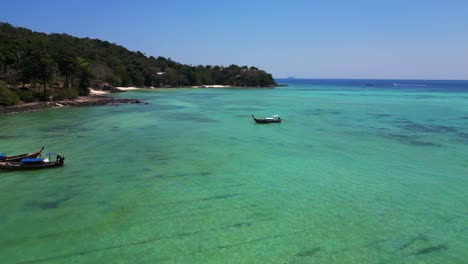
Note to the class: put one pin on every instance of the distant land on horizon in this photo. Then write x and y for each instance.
(416, 85)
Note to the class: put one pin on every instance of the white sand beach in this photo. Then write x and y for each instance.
(97, 92)
(215, 86)
(127, 88)
(211, 86)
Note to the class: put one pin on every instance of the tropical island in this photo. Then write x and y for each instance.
(39, 67)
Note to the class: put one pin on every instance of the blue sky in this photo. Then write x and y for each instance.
(409, 39)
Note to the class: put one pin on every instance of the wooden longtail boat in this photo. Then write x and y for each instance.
(33, 163)
(274, 119)
(18, 158)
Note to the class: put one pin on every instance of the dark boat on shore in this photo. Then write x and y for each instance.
(274, 119)
(33, 163)
(18, 158)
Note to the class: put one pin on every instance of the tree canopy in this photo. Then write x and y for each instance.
(75, 63)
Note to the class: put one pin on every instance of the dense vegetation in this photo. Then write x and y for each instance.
(38, 65)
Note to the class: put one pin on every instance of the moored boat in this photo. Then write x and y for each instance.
(273, 119)
(18, 158)
(33, 163)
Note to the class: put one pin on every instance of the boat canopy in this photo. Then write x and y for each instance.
(2, 156)
(32, 160)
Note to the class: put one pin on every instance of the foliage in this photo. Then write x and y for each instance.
(7, 96)
(26, 95)
(39, 66)
(75, 63)
(68, 66)
(62, 94)
(83, 76)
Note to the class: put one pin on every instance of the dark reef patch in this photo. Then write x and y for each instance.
(309, 252)
(412, 127)
(430, 128)
(411, 140)
(401, 120)
(219, 197)
(241, 224)
(431, 249)
(424, 143)
(379, 115)
(234, 185)
(4, 137)
(420, 237)
(378, 128)
(415, 127)
(462, 137)
(111, 247)
(49, 204)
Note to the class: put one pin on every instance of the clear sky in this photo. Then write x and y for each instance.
(407, 39)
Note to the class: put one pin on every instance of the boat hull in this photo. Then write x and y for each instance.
(265, 120)
(21, 166)
(261, 121)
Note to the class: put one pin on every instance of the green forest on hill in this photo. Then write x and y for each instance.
(43, 66)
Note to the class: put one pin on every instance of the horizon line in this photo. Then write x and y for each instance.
(382, 79)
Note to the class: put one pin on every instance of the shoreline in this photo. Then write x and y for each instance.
(211, 86)
(81, 101)
(101, 98)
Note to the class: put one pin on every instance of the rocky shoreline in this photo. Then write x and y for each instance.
(91, 100)
(96, 98)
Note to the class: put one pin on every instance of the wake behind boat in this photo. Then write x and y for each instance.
(266, 120)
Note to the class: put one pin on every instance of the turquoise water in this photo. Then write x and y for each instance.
(352, 175)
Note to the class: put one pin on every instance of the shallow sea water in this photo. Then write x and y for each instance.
(352, 175)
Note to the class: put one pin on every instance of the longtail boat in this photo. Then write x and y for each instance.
(33, 163)
(274, 119)
(18, 158)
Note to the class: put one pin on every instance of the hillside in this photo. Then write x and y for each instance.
(51, 61)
